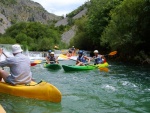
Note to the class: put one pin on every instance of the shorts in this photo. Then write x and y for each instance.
(8, 80)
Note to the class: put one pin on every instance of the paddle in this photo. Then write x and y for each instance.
(111, 53)
(4, 55)
(105, 68)
(32, 64)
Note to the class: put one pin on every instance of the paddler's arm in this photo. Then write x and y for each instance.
(6, 62)
(2, 63)
(1, 51)
(77, 61)
(87, 58)
(47, 60)
(56, 60)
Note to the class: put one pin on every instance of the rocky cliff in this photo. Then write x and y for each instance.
(4, 23)
(12, 11)
(68, 35)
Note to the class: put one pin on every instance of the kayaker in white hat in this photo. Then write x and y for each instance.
(98, 59)
(51, 59)
(19, 65)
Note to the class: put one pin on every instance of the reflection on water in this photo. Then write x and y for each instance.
(15, 104)
(124, 89)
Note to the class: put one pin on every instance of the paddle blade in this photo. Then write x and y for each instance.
(105, 69)
(33, 64)
(113, 53)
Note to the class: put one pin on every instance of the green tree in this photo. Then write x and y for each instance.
(31, 33)
(128, 28)
(99, 18)
(45, 44)
(7, 40)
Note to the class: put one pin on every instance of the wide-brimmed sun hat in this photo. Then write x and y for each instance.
(16, 48)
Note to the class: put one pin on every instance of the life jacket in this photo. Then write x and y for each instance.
(51, 59)
(72, 48)
(98, 59)
(81, 59)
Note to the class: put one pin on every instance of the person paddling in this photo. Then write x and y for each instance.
(48, 55)
(51, 59)
(98, 59)
(20, 72)
(71, 51)
(82, 59)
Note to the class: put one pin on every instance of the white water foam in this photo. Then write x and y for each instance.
(127, 83)
(108, 87)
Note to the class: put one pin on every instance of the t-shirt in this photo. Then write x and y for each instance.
(20, 72)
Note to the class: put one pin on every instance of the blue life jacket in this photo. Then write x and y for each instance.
(98, 59)
(81, 59)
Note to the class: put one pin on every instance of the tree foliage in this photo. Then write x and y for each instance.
(35, 35)
(121, 25)
(128, 28)
(97, 19)
(7, 40)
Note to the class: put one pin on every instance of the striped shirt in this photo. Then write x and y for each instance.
(20, 72)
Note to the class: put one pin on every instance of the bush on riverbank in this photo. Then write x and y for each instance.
(37, 36)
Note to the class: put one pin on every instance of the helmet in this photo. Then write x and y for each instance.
(72, 46)
(52, 53)
(80, 52)
(96, 51)
(49, 51)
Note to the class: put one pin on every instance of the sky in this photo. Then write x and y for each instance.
(60, 7)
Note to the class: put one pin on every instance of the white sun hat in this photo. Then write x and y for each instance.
(96, 51)
(16, 48)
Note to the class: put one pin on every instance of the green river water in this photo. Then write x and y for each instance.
(124, 89)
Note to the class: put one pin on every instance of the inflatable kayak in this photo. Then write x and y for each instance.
(42, 91)
(52, 66)
(81, 68)
(2, 109)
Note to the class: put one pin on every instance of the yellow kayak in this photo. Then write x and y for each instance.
(41, 91)
(63, 57)
(37, 61)
(2, 109)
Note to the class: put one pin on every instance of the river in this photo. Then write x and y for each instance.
(124, 89)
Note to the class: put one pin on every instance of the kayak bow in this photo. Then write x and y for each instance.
(42, 91)
(2, 109)
(52, 66)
